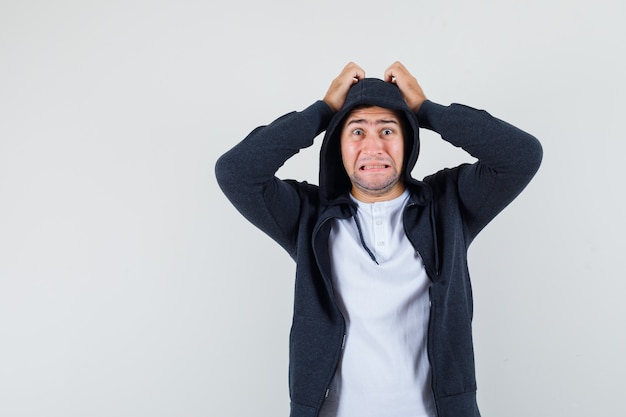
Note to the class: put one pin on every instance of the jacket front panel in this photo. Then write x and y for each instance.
(318, 326)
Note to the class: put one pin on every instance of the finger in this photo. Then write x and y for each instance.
(393, 72)
(390, 75)
(355, 71)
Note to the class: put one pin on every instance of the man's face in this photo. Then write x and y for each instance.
(372, 151)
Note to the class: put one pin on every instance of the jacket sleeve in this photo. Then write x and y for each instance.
(507, 159)
(246, 173)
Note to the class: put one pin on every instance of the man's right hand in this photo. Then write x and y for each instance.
(338, 90)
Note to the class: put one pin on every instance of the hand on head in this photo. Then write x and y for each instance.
(338, 90)
(407, 83)
(396, 73)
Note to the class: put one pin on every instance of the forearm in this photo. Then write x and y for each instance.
(255, 160)
(496, 144)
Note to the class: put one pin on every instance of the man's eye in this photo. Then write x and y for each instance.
(357, 132)
(387, 131)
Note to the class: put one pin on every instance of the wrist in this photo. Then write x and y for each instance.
(331, 105)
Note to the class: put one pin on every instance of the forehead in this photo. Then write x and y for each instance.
(372, 114)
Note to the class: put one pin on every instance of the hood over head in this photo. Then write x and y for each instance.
(333, 179)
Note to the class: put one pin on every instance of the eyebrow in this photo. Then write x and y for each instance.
(379, 121)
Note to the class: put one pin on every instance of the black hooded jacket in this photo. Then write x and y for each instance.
(444, 214)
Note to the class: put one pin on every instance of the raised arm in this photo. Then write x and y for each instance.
(246, 173)
(507, 157)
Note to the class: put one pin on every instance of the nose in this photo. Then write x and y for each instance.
(372, 145)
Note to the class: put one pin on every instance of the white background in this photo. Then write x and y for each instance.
(130, 287)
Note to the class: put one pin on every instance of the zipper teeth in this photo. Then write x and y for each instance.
(429, 352)
(338, 353)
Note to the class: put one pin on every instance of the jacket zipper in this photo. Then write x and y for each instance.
(429, 353)
(330, 288)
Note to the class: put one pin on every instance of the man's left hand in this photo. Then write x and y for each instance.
(408, 85)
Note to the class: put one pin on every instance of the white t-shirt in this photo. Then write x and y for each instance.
(384, 370)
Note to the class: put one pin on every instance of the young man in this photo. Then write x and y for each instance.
(383, 302)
